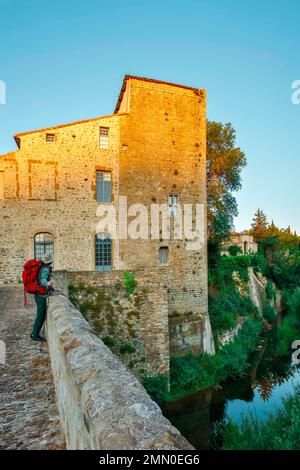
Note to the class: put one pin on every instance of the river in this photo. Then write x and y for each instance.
(267, 381)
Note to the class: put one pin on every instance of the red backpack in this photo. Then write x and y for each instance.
(30, 278)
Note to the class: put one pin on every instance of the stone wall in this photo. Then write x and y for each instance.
(102, 405)
(145, 321)
(257, 291)
(229, 335)
(165, 137)
(157, 148)
(50, 187)
(135, 326)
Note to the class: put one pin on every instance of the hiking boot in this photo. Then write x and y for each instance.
(37, 338)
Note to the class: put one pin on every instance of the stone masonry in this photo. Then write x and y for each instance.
(138, 321)
(156, 149)
(29, 417)
(102, 405)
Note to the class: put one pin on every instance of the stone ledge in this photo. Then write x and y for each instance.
(102, 405)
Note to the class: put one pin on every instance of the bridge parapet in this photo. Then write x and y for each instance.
(102, 405)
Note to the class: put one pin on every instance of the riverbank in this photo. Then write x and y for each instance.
(191, 373)
(279, 431)
(200, 416)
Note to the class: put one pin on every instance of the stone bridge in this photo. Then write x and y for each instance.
(29, 416)
(101, 404)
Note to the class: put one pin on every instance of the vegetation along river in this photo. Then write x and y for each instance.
(259, 392)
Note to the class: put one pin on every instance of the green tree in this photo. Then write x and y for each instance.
(225, 162)
(260, 225)
(234, 250)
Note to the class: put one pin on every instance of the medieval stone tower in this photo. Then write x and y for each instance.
(151, 150)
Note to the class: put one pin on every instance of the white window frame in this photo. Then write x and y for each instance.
(104, 137)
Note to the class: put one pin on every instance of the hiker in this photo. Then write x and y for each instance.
(44, 280)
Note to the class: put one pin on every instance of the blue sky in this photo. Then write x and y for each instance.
(65, 60)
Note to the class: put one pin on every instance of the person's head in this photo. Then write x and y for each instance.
(47, 260)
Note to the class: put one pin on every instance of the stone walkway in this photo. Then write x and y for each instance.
(28, 414)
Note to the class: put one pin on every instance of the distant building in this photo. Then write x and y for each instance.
(243, 240)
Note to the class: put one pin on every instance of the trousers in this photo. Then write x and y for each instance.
(41, 311)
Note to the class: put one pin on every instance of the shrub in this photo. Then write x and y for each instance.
(270, 291)
(280, 431)
(89, 290)
(289, 330)
(226, 306)
(224, 321)
(129, 283)
(233, 357)
(157, 387)
(259, 263)
(127, 348)
(286, 334)
(232, 361)
(230, 264)
(294, 303)
(243, 261)
(72, 295)
(108, 341)
(192, 372)
(86, 306)
(269, 313)
(234, 250)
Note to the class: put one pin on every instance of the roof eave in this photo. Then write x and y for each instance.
(18, 141)
(74, 123)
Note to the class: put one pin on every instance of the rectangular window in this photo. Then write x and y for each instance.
(173, 202)
(103, 142)
(163, 255)
(103, 180)
(103, 252)
(43, 245)
(50, 137)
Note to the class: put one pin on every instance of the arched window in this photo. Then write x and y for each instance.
(103, 252)
(163, 255)
(245, 247)
(43, 245)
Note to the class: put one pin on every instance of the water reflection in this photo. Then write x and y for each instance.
(258, 393)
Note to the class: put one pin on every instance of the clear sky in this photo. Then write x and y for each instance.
(65, 60)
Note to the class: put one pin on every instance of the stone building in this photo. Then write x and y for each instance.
(152, 149)
(244, 241)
